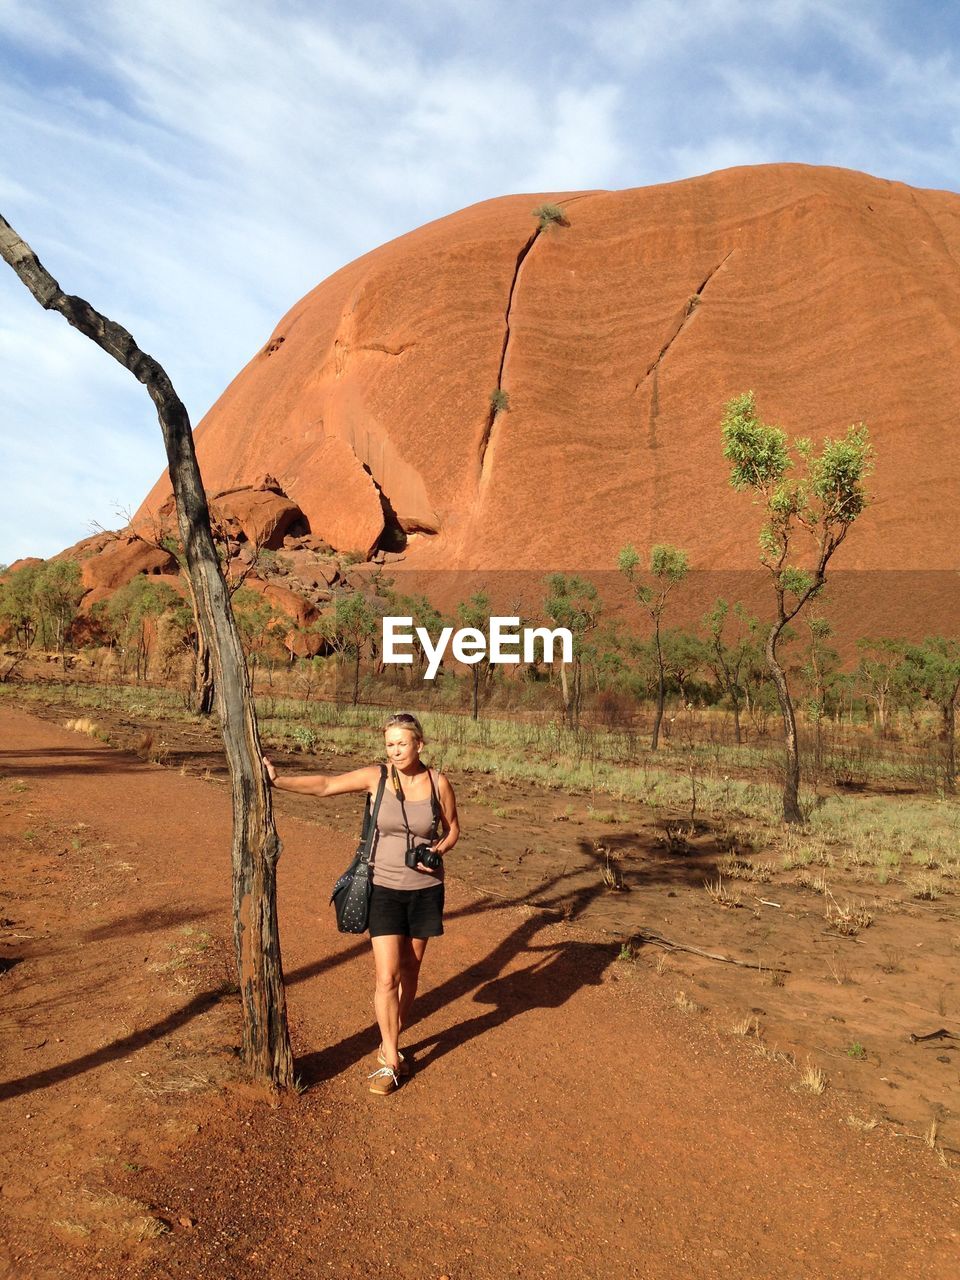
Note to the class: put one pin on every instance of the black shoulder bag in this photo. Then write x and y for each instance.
(351, 893)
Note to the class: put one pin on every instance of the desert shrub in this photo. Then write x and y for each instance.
(549, 215)
(499, 401)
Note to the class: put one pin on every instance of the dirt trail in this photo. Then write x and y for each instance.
(563, 1119)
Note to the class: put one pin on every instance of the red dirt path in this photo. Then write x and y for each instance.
(563, 1117)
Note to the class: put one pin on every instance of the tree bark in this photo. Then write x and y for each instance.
(791, 776)
(949, 710)
(256, 847)
(202, 702)
(661, 690)
(737, 731)
(565, 695)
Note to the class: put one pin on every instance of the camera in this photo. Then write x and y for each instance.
(426, 856)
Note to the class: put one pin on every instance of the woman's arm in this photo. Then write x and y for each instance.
(451, 823)
(318, 784)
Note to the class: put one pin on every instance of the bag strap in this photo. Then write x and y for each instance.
(370, 814)
(434, 803)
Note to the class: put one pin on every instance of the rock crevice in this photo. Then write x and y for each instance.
(494, 408)
(680, 323)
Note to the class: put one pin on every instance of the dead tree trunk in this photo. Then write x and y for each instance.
(266, 1043)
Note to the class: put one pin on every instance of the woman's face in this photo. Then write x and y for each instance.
(403, 747)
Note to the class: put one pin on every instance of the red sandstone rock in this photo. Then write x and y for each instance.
(263, 516)
(121, 559)
(833, 295)
(302, 644)
(25, 563)
(286, 603)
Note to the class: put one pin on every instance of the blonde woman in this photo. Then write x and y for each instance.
(418, 812)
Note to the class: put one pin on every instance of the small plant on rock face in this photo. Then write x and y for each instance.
(550, 215)
(499, 401)
(857, 1050)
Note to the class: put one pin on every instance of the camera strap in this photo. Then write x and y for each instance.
(434, 803)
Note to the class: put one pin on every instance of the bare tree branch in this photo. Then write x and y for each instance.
(256, 847)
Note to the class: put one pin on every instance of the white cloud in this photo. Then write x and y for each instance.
(193, 170)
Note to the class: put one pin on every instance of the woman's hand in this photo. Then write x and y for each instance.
(430, 871)
(271, 771)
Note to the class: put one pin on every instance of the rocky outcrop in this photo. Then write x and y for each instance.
(617, 339)
(262, 517)
(286, 604)
(120, 560)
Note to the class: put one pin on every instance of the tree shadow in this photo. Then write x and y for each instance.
(200, 1003)
(50, 762)
(554, 975)
(671, 867)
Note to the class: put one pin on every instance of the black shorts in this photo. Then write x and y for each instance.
(407, 913)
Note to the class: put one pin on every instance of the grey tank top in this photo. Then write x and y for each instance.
(390, 845)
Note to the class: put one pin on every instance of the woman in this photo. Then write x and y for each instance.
(406, 906)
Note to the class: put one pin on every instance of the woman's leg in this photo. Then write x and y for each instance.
(387, 952)
(411, 958)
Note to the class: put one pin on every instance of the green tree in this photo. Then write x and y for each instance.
(878, 671)
(423, 614)
(475, 613)
(932, 671)
(684, 656)
(668, 568)
(18, 609)
(820, 505)
(350, 629)
(732, 649)
(253, 614)
(820, 670)
(574, 603)
(57, 592)
(131, 616)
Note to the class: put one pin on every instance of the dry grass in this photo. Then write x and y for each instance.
(848, 919)
(748, 1025)
(771, 1054)
(927, 887)
(157, 1086)
(150, 747)
(83, 724)
(72, 1228)
(812, 1078)
(864, 1126)
(735, 867)
(718, 894)
(683, 1002)
(771, 977)
(839, 971)
(817, 883)
(610, 873)
(105, 1211)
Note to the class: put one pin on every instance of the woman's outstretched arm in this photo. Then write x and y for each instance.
(319, 784)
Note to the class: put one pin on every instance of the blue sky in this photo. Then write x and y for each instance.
(192, 169)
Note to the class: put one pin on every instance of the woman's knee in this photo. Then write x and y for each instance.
(388, 980)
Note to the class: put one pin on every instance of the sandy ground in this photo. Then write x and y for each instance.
(564, 1116)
